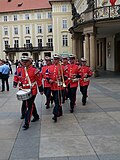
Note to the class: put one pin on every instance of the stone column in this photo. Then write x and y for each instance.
(87, 49)
(74, 44)
(80, 48)
(92, 51)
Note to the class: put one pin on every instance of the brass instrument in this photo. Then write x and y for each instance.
(62, 81)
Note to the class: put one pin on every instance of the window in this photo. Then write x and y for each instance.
(15, 17)
(49, 28)
(64, 8)
(39, 29)
(27, 43)
(27, 30)
(38, 15)
(6, 31)
(5, 18)
(39, 42)
(6, 43)
(64, 23)
(15, 30)
(49, 15)
(65, 40)
(27, 16)
(16, 43)
(50, 42)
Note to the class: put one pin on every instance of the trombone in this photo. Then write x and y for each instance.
(62, 76)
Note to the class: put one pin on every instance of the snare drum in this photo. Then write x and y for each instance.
(24, 94)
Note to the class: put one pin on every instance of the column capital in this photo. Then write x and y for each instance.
(92, 34)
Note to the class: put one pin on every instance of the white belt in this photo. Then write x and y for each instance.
(24, 85)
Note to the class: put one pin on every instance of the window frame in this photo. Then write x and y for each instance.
(64, 24)
(64, 40)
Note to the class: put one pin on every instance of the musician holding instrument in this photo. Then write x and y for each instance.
(30, 78)
(17, 77)
(65, 63)
(73, 77)
(47, 85)
(56, 73)
(84, 81)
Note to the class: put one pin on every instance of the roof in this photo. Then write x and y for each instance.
(21, 5)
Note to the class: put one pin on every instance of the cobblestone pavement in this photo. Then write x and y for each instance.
(92, 132)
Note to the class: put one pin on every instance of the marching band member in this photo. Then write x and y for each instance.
(73, 75)
(84, 81)
(47, 85)
(17, 77)
(29, 74)
(55, 79)
(65, 90)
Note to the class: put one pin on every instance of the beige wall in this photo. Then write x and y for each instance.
(58, 31)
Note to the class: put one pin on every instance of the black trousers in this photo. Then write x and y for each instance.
(72, 96)
(31, 110)
(83, 90)
(5, 80)
(57, 110)
(24, 108)
(47, 92)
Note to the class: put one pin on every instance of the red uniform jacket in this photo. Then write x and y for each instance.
(73, 70)
(85, 74)
(34, 75)
(66, 74)
(45, 76)
(55, 73)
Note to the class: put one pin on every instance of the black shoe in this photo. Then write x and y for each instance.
(35, 119)
(22, 117)
(47, 107)
(63, 101)
(54, 118)
(71, 110)
(2, 90)
(25, 126)
(84, 104)
(60, 113)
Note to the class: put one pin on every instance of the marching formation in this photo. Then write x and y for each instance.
(58, 80)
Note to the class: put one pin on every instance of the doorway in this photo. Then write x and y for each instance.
(117, 52)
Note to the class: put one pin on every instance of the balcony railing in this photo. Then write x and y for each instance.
(100, 13)
(107, 12)
(28, 48)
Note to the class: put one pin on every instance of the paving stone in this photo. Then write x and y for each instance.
(59, 158)
(25, 149)
(66, 125)
(64, 146)
(109, 157)
(5, 148)
(105, 144)
(98, 124)
(86, 157)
